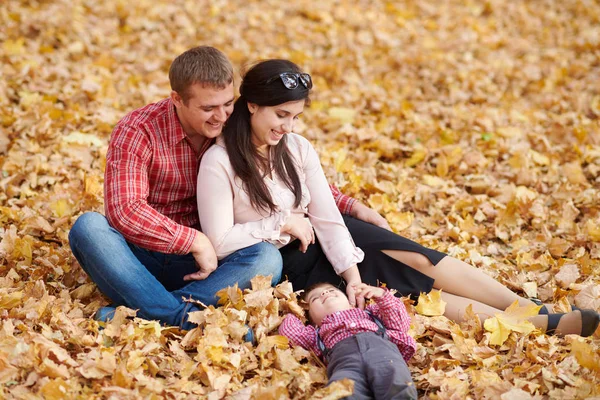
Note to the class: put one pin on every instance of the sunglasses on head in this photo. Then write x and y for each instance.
(290, 79)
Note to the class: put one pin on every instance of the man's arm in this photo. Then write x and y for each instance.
(358, 210)
(126, 189)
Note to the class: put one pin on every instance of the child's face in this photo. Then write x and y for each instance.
(325, 300)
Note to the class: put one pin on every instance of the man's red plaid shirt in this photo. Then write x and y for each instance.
(150, 180)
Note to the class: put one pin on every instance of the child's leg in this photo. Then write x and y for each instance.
(387, 372)
(345, 361)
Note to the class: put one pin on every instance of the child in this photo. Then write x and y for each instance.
(367, 346)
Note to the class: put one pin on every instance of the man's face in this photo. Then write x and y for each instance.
(206, 110)
(325, 300)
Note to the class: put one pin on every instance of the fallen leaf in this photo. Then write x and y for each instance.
(431, 303)
(514, 319)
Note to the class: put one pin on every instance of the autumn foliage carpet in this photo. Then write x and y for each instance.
(473, 126)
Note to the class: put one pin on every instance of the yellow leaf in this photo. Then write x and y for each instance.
(86, 139)
(10, 300)
(400, 220)
(592, 229)
(270, 342)
(381, 202)
(215, 353)
(14, 47)
(61, 207)
(55, 390)
(431, 304)
(93, 185)
(433, 181)
(499, 332)
(344, 115)
(539, 158)
(514, 319)
(28, 99)
(585, 355)
(416, 157)
(442, 166)
(342, 163)
(574, 173)
(261, 282)
(231, 294)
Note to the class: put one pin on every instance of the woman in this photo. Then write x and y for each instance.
(268, 185)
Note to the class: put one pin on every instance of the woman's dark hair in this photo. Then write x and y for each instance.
(261, 85)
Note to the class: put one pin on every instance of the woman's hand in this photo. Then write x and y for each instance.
(352, 278)
(368, 292)
(301, 229)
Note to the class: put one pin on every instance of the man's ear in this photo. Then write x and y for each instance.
(252, 107)
(176, 99)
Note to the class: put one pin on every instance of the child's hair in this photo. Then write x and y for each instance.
(309, 289)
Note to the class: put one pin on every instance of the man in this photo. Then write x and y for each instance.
(149, 253)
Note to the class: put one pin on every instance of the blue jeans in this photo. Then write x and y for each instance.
(152, 282)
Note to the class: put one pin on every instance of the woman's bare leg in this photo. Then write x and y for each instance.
(457, 277)
(456, 307)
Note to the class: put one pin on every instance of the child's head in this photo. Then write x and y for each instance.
(324, 299)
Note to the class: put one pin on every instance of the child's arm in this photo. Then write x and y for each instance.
(392, 313)
(299, 334)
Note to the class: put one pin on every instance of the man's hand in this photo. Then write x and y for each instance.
(366, 214)
(205, 256)
(301, 229)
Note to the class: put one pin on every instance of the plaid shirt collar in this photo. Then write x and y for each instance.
(177, 134)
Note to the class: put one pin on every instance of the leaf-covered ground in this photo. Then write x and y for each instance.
(473, 126)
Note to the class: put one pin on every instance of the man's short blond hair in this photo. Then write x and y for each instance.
(203, 64)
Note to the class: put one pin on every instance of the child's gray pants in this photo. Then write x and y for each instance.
(374, 364)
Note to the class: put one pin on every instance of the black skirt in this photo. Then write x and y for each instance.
(305, 269)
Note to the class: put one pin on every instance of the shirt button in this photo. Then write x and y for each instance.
(352, 325)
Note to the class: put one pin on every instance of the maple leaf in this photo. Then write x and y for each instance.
(585, 355)
(514, 319)
(431, 303)
(589, 297)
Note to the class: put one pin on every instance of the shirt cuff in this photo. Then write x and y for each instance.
(275, 235)
(354, 257)
(184, 237)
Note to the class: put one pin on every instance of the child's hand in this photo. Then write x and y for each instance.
(368, 292)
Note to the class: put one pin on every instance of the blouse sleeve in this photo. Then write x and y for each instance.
(215, 196)
(324, 215)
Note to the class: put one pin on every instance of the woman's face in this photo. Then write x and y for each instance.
(270, 123)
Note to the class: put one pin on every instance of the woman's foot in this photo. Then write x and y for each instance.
(580, 322)
(549, 308)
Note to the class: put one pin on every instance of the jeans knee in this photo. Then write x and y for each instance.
(87, 228)
(269, 261)
(86, 223)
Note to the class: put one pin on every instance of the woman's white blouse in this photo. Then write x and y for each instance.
(231, 223)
